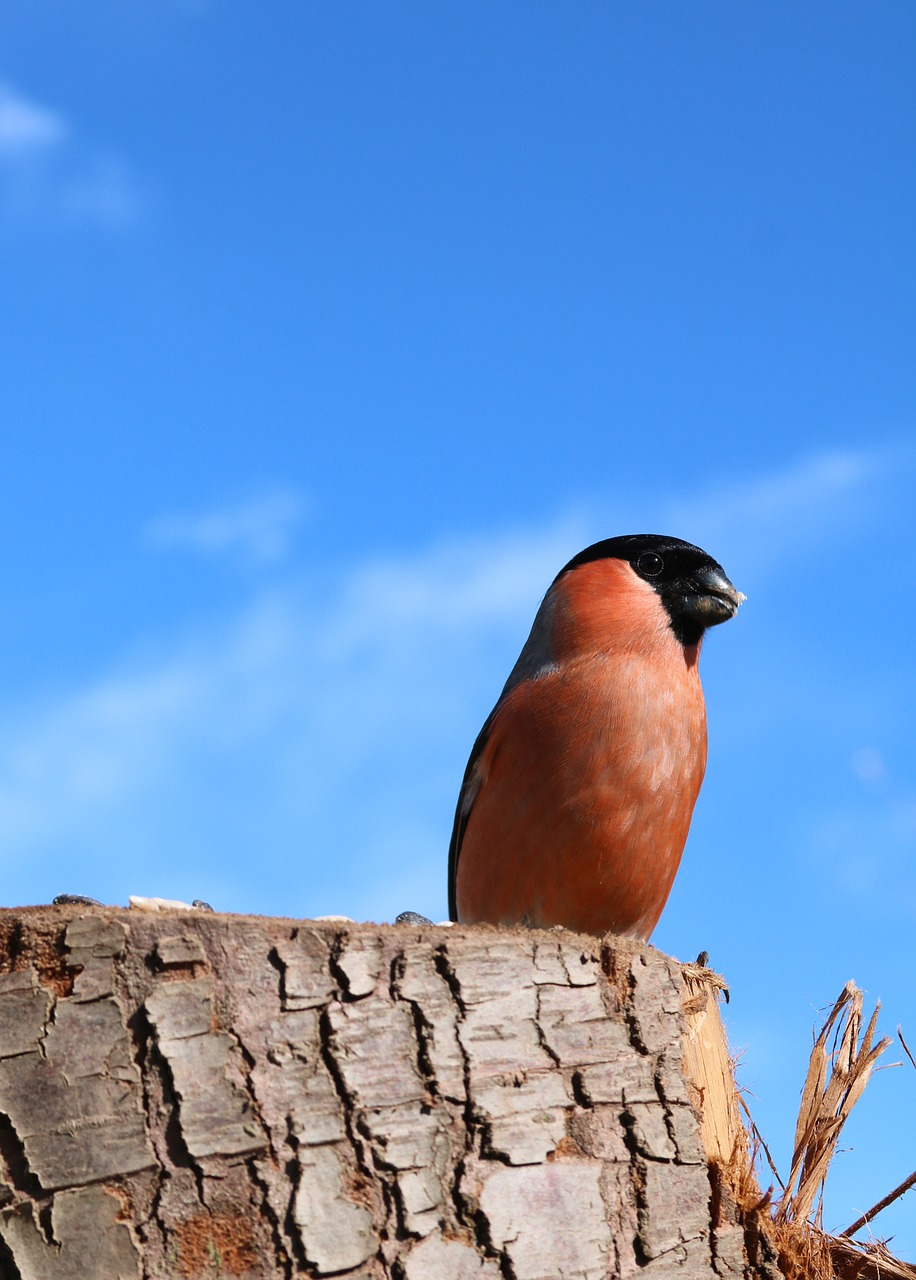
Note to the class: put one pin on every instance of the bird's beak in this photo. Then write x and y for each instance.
(713, 599)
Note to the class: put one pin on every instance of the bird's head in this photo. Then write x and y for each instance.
(692, 588)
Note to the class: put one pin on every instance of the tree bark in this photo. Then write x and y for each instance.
(197, 1095)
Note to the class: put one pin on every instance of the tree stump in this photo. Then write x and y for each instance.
(196, 1095)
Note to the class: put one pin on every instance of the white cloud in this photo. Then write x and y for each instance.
(260, 529)
(118, 738)
(49, 172)
(802, 504)
(461, 583)
(27, 127)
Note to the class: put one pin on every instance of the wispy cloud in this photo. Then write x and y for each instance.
(805, 502)
(811, 481)
(459, 584)
(259, 530)
(26, 127)
(49, 172)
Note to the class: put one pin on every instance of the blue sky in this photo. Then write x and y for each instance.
(330, 331)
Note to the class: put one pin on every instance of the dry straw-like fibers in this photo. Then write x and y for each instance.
(841, 1063)
(842, 1060)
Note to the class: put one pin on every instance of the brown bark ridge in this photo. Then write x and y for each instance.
(198, 1095)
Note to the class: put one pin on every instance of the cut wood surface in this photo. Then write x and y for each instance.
(197, 1095)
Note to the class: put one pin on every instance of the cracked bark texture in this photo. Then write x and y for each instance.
(196, 1095)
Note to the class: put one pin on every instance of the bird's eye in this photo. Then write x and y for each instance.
(650, 564)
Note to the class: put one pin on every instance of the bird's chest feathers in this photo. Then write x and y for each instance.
(629, 717)
(606, 734)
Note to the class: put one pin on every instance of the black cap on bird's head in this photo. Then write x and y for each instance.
(692, 586)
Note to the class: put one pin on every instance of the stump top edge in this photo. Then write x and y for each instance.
(46, 915)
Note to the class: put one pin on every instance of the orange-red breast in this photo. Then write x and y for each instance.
(578, 795)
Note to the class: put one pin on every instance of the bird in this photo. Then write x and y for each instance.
(580, 788)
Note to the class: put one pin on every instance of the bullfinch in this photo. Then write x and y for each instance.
(578, 795)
